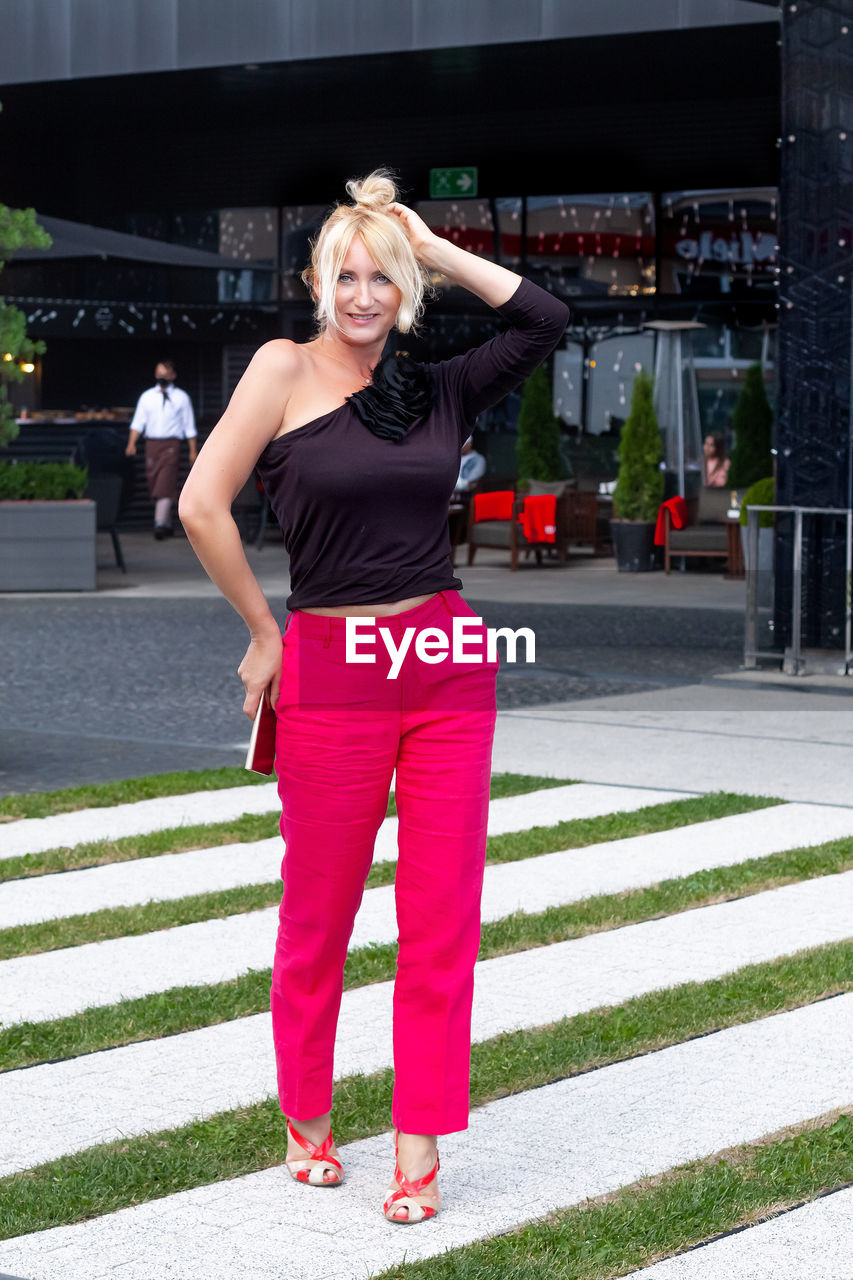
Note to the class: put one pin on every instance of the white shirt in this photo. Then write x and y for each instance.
(472, 467)
(164, 419)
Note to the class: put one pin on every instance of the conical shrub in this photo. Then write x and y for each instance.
(639, 488)
(751, 458)
(537, 448)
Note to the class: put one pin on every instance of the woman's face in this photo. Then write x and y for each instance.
(710, 447)
(366, 302)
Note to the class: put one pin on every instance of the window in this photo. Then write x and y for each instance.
(718, 241)
(593, 244)
(468, 223)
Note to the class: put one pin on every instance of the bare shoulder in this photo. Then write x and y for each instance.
(279, 355)
(270, 375)
(254, 412)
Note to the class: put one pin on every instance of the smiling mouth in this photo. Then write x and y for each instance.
(370, 316)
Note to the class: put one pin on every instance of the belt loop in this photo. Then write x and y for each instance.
(327, 638)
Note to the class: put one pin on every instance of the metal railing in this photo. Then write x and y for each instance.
(793, 659)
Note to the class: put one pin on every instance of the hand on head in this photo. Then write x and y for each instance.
(419, 234)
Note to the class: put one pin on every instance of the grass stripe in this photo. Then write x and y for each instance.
(187, 1008)
(209, 835)
(118, 922)
(104, 1178)
(44, 804)
(655, 1218)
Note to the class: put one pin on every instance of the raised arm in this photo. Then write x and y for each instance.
(482, 377)
(494, 284)
(223, 466)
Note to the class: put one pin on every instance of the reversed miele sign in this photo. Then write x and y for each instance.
(744, 247)
(726, 234)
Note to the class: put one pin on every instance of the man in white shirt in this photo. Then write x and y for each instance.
(471, 468)
(164, 415)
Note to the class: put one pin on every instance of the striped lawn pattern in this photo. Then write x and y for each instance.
(162, 1084)
(58, 983)
(606, 1126)
(176, 875)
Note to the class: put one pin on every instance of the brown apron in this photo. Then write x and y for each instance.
(161, 468)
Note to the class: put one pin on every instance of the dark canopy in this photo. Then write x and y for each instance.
(79, 240)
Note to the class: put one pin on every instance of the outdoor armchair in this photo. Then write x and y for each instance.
(505, 532)
(706, 535)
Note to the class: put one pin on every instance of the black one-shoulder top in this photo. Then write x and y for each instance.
(362, 493)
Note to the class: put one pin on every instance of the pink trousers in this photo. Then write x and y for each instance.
(343, 728)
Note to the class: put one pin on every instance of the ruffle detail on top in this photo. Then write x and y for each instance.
(401, 392)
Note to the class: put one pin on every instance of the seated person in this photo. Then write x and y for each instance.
(716, 462)
(471, 469)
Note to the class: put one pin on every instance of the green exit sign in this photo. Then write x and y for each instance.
(452, 182)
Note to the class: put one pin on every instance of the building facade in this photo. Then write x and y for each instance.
(624, 156)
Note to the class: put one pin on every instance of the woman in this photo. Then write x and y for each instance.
(716, 462)
(359, 457)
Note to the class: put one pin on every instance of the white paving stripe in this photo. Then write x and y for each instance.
(58, 983)
(604, 1129)
(815, 1241)
(34, 835)
(160, 1084)
(179, 875)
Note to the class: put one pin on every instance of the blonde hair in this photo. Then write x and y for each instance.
(385, 240)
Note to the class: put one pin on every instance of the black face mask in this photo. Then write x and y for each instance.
(165, 382)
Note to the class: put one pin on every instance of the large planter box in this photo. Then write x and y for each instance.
(47, 546)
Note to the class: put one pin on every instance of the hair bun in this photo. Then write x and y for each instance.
(373, 192)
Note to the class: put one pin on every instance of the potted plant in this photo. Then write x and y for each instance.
(751, 457)
(47, 530)
(640, 484)
(537, 447)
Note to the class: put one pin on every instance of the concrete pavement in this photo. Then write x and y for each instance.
(637, 679)
(170, 570)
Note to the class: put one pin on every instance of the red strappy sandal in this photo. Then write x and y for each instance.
(313, 1170)
(410, 1194)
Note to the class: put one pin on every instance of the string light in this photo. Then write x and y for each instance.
(107, 315)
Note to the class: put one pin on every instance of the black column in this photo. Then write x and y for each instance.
(813, 434)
